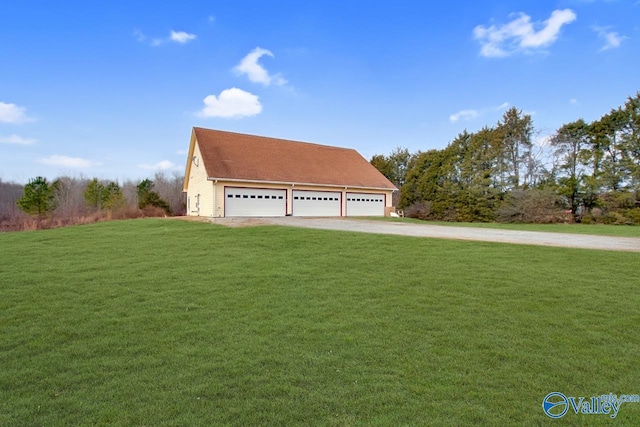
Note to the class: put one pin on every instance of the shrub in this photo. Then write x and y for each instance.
(531, 206)
(420, 210)
(633, 215)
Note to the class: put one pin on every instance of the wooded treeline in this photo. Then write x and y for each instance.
(68, 200)
(584, 172)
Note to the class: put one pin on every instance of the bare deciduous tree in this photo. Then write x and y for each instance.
(170, 189)
(10, 214)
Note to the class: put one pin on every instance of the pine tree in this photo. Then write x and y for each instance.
(38, 197)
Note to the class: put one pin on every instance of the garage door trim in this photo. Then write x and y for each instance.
(276, 208)
(366, 206)
(328, 208)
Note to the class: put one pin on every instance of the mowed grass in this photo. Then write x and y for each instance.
(595, 229)
(164, 322)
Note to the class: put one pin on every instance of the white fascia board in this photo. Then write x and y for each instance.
(293, 184)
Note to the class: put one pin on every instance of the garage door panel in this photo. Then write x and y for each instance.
(316, 203)
(365, 204)
(241, 201)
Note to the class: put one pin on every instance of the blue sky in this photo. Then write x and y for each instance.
(112, 89)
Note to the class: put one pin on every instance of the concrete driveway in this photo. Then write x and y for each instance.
(584, 241)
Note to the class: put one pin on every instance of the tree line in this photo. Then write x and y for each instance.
(584, 172)
(67, 200)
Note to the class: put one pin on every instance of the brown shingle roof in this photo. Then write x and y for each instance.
(228, 155)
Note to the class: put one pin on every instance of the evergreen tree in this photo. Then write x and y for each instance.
(38, 197)
(515, 130)
(631, 143)
(570, 144)
(100, 196)
(148, 197)
(395, 166)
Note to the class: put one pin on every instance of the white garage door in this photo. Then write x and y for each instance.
(363, 204)
(316, 203)
(254, 202)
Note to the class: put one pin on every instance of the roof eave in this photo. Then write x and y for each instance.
(293, 184)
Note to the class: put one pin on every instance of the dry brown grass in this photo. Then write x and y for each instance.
(27, 223)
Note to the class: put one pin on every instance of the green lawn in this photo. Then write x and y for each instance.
(597, 229)
(165, 322)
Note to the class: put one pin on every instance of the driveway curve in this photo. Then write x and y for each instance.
(566, 240)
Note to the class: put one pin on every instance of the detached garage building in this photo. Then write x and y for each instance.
(230, 174)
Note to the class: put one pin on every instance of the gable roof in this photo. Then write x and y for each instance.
(235, 156)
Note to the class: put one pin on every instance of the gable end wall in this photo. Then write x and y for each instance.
(199, 185)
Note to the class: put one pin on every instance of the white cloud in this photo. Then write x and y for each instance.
(471, 113)
(231, 103)
(11, 113)
(67, 162)
(181, 37)
(612, 39)
(256, 72)
(15, 139)
(139, 35)
(573, 101)
(464, 115)
(162, 165)
(520, 34)
(543, 140)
